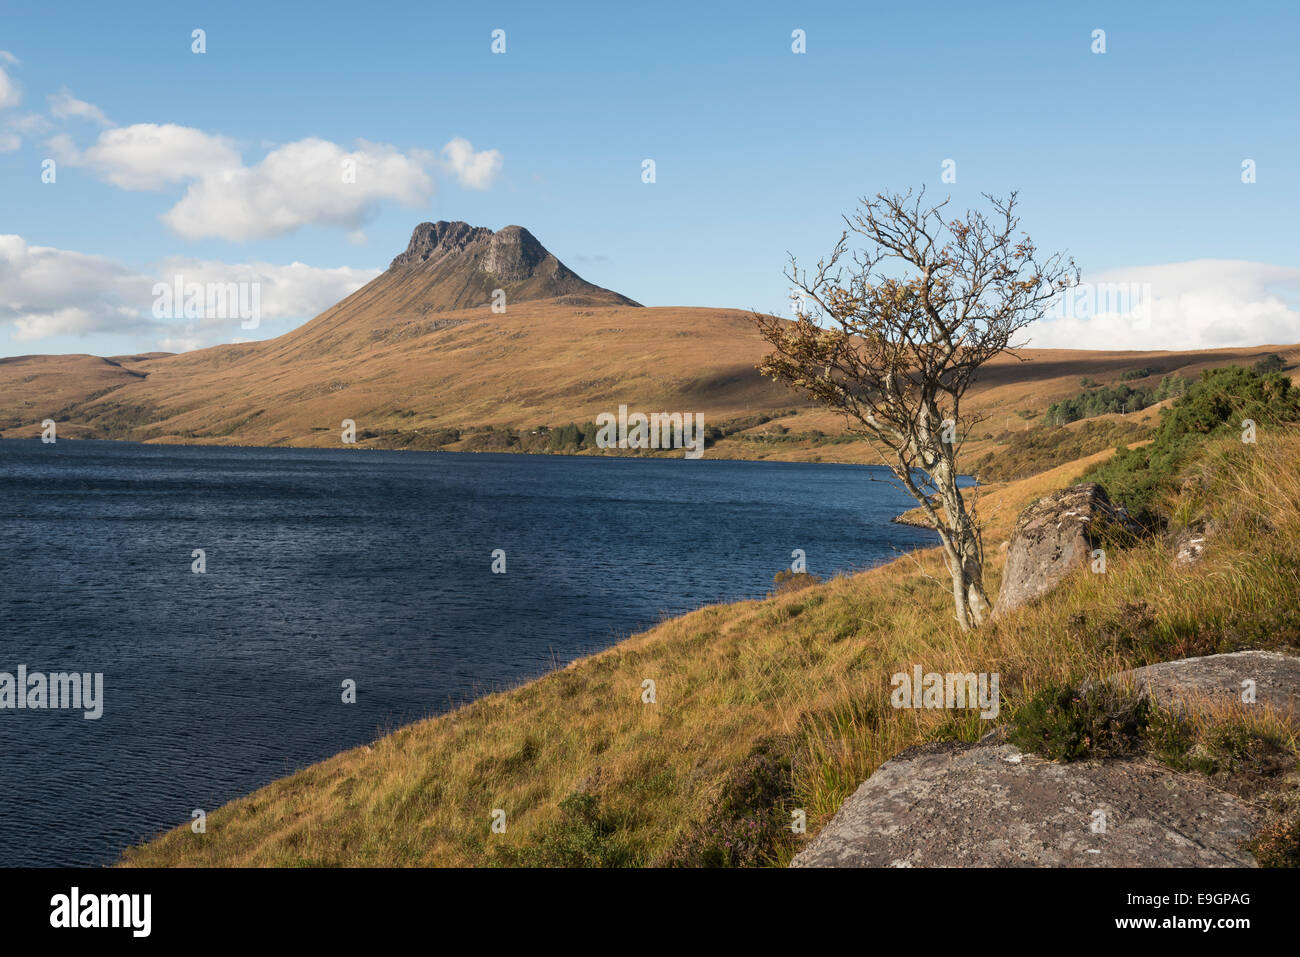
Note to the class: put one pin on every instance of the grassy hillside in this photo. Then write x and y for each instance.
(768, 706)
(412, 378)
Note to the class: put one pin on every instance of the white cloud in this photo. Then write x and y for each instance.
(1204, 303)
(310, 182)
(182, 343)
(9, 58)
(472, 170)
(63, 105)
(10, 95)
(300, 184)
(48, 292)
(149, 155)
(15, 126)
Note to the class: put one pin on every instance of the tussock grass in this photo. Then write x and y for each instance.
(809, 669)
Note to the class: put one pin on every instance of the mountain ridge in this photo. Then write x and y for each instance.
(454, 265)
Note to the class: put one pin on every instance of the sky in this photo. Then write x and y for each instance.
(1167, 165)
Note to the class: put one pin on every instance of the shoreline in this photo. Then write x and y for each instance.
(603, 453)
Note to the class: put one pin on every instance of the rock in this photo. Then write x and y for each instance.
(1188, 544)
(989, 805)
(440, 239)
(458, 266)
(1052, 537)
(1216, 679)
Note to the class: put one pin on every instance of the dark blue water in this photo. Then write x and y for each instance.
(326, 565)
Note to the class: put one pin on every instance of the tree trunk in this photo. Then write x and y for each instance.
(962, 551)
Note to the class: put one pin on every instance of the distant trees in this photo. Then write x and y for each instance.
(1270, 363)
(893, 338)
(1122, 398)
(1171, 386)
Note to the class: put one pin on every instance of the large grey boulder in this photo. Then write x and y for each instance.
(989, 805)
(1218, 679)
(1052, 537)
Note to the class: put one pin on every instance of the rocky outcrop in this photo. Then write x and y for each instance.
(989, 805)
(458, 266)
(436, 241)
(1274, 680)
(1052, 537)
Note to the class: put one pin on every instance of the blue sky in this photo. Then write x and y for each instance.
(1131, 160)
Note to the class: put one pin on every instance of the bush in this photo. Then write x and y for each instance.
(787, 581)
(1028, 453)
(585, 836)
(1065, 723)
(1278, 842)
(567, 438)
(1270, 363)
(492, 440)
(1099, 402)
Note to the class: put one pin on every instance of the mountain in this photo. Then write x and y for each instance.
(417, 350)
(450, 266)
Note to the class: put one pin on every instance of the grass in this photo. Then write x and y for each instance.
(766, 708)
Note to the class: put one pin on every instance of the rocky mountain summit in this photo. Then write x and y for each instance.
(459, 266)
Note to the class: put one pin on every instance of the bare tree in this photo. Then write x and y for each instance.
(895, 344)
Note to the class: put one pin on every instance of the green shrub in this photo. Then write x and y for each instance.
(1065, 723)
(1270, 363)
(567, 438)
(585, 836)
(1095, 402)
(1036, 450)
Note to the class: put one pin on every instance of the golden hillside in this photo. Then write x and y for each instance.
(547, 362)
(413, 365)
